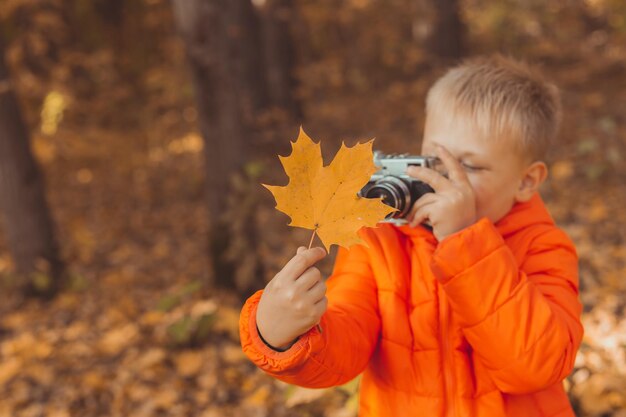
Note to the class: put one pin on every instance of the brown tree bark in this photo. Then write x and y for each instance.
(221, 39)
(280, 56)
(447, 39)
(110, 11)
(27, 221)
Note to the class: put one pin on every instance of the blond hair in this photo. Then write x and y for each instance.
(502, 98)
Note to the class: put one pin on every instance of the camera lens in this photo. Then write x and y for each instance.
(394, 193)
(388, 197)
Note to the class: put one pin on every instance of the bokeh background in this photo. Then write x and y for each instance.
(134, 136)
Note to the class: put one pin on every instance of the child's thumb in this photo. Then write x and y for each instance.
(300, 249)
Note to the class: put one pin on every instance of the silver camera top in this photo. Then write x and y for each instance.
(397, 164)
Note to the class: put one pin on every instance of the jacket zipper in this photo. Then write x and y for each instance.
(448, 372)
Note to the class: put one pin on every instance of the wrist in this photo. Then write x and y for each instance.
(281, 348)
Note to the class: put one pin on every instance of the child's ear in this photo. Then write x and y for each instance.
(534, 176)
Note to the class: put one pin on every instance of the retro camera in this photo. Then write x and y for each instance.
(395, 186)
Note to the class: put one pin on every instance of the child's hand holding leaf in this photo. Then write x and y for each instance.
(293, 301)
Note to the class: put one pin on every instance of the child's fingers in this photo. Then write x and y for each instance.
(301, 262)
(418, 220)
(321, 306)
(308, 279)
(425, 200)
(421, 215)
(300, 249)
(455, 170)
(318, 292)
(431, 177)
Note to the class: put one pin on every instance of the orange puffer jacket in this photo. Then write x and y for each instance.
(485, 323)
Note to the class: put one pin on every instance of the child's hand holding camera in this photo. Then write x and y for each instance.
(293, 301)
(452, 207)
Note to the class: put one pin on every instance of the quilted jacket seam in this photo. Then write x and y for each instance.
(380, 381)
(515, 361)
(497, 308)
(529, 349)
(436, 258)
(323, 365)
(410, 348)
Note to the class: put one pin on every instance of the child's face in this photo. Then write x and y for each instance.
(494, 167)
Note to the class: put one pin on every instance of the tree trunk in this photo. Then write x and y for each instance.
(27, 221)
(110, 11)
(449, 30)
(228, 77)
(280, 57)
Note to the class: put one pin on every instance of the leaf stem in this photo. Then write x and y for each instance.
(312, 237)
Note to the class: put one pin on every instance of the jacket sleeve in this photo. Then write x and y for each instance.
(349, 330)
(523, 322)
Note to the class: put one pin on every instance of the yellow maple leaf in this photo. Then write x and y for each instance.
(324, 199)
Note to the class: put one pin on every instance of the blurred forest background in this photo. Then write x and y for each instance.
(134, 136)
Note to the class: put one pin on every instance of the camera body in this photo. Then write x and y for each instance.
(395, 186)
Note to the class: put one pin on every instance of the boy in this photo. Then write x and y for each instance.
(478, 317)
